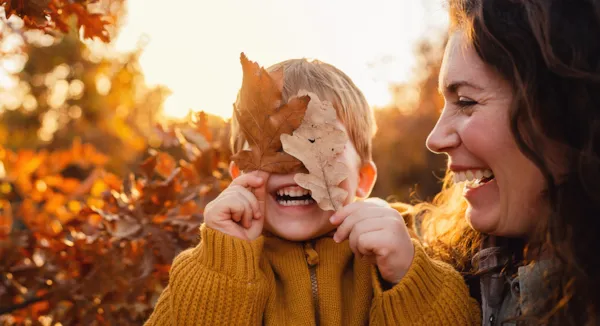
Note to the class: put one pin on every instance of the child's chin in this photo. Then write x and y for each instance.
(298, 232)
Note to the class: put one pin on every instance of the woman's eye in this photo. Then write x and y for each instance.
(465, 102)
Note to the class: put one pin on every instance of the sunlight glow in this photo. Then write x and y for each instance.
(195, 52)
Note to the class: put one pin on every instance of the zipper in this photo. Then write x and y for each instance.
(312, 259)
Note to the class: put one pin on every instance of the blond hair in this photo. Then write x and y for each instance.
(333, 85)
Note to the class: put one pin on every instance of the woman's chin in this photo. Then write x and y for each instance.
(482, 220)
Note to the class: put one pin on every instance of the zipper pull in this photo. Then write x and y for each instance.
(312, 257)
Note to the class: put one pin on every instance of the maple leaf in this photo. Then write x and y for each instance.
(317, 143)
(262, 119)
(35, 11)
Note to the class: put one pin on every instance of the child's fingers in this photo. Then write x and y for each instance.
(365, 226)
(249, 196)
(248, 213)
(235, 205)
(339, 216)
(236, 212)
(260, 193)
(343, 231)
(370, 242)
(251, 180)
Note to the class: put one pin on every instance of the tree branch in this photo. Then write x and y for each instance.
(24, 304)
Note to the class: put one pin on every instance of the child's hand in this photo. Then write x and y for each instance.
(379, 234)
(239, 209)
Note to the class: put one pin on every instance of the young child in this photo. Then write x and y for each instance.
(263, 262)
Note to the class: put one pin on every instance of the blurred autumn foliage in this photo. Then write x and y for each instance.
(48, 15)
(409, 172)
(97, 196)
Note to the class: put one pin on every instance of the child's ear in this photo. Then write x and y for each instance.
(234, 170)
(367, 175)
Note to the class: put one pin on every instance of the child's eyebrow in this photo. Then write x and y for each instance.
(454, 86)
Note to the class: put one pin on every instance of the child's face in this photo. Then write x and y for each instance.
(302, 220)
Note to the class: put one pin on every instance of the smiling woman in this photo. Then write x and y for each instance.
(520, 81)
(199, 61)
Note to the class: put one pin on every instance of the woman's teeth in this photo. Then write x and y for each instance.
(294, 196)
(473, 178)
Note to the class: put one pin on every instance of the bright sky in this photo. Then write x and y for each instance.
(194, 45)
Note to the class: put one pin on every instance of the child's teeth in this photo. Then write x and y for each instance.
(295, 202)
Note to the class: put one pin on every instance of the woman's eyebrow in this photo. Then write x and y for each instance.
(454, 86)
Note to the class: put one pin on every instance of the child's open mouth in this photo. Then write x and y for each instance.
(293, 196)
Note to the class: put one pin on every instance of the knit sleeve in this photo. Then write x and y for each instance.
(219, 282)
(431, 293)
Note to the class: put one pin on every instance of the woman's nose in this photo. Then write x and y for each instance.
(443, 137)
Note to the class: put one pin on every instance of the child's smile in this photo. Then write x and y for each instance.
(293, 195)
(291, 213)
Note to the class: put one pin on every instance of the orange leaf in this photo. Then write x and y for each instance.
(92, 24)
(33, 12)
(148, 166)
(202, 125)
(165, 164)
(189, 208)
(262, 119)
(6, 218)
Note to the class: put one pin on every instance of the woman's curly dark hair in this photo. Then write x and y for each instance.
(549, 50)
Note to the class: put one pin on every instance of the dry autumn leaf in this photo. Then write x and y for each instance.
(6, 218)
(36, 11)
(262, 119)
(317, 143)
(50, 15)
(93, 24)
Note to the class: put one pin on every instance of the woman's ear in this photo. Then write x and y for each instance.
(367, 175)
(234, 170)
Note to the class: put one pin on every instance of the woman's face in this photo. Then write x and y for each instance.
(502, 187)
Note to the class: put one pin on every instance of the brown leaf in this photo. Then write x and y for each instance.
(317, 143)
(93, 24)
(6, 218)
(147, 167)
(36, 11)
(123, 227)
(165, 164)
(202, 126)
(262, 119)
(196, 138)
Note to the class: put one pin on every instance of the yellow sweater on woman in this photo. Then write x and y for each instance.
(270, 281)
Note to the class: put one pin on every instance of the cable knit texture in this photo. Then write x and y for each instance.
(228, 281)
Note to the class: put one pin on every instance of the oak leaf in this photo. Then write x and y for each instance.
(263, 119)
(317, 143)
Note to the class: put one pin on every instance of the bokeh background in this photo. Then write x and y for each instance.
(114, 126)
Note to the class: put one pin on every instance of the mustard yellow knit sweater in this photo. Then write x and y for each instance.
(270, 281)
